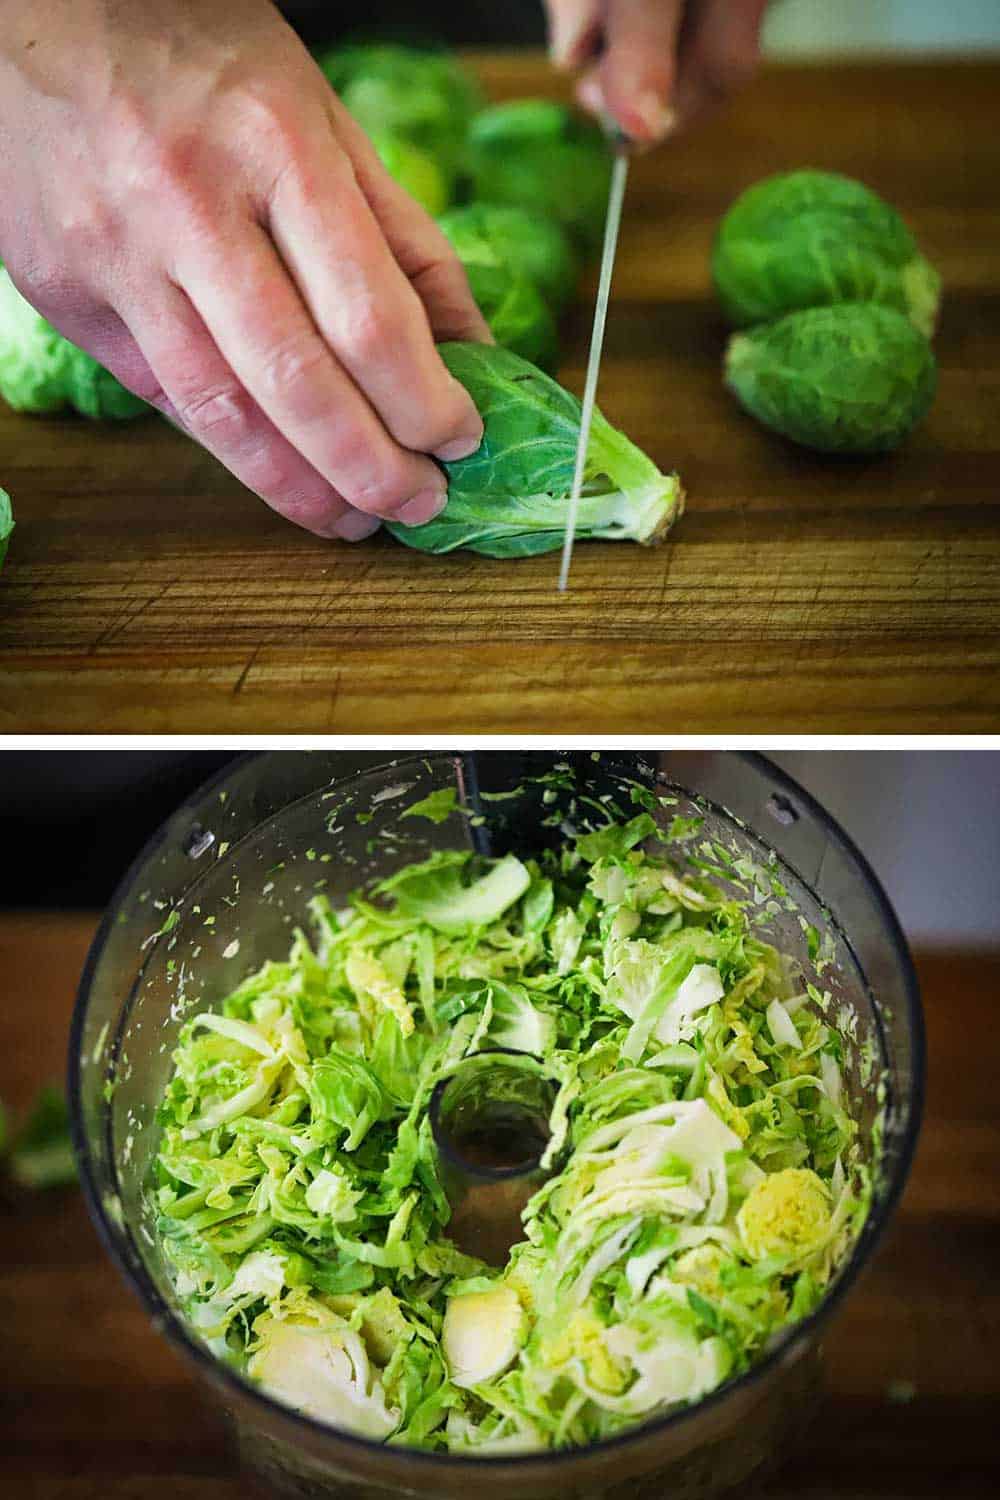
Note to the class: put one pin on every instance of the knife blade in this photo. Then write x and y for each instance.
(616, 197)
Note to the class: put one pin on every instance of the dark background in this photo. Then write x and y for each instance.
(72, 821)
(472, 23)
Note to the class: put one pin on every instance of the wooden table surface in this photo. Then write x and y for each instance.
(94, 1405)
(147, 592)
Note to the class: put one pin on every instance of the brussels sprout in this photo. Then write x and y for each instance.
(532, 244)
(40, 371)
(6, 524)
(539, 155)
(509, 498)
(414, 170)
(808, 239)
(848, 379)
(426, 97)
(512, 305)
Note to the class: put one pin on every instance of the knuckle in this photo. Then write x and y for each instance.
(367, 337)
(290, 373)
(220, 414)
(85, 223)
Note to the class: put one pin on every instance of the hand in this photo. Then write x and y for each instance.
(662, 62)
(182, 194)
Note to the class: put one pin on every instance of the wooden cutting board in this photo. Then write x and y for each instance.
(147, 592)
(95, 1406)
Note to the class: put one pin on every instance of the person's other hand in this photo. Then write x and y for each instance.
(182, 194)
(655, 65)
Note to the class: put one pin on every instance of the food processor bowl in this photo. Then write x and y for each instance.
(219, 890)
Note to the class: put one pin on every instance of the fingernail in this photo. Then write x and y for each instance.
(459, 448)
(355, 526)
(656, 118)
(423, 507)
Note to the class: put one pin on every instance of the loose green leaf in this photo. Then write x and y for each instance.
(436, 806)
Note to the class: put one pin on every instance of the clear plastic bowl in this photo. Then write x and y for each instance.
(217, 891)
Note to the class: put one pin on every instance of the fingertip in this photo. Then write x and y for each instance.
(355, 526)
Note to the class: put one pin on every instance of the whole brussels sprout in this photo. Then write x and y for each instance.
(426, 97)
(810, 239)
(848, 379)
(513, 307)
(531, 243)
(40, 371)
(541, 156)
(414, 170)
(6, 524)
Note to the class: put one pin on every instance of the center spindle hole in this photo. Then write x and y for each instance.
(502, 1137)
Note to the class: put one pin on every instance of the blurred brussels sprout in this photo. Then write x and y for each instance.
(809, 239)
(40, 371)
(539, 155)
(854, 378)
(426, 97)
(414, 170)
(6, 527)
(531, 243)
(513, 307)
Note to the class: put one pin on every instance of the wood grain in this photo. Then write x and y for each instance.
(147, 592)
(95, 1406)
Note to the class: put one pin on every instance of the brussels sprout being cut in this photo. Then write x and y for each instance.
(809, 239)
(6, 523)
(848, 379)
(540, 156)
(531, 243)
(425, 97)
(40, 371)
(509, 498)
(415, 170)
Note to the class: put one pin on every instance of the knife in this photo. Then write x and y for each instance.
(616, 197)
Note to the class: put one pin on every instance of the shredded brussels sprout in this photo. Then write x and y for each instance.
(706, 1180)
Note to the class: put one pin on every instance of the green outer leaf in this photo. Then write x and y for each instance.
(848, 379)
(6, 523)
(809, 239)
(509, 498)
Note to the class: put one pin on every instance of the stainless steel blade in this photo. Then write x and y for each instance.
(616, 196)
